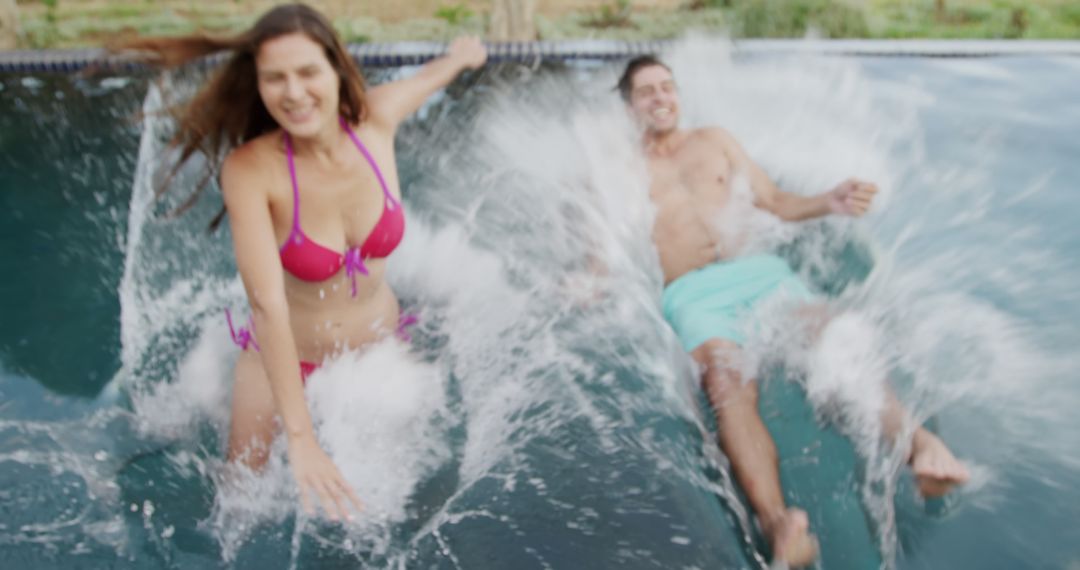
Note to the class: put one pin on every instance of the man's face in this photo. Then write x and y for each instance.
(654, 99)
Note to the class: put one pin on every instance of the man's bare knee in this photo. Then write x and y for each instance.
(727, 389)
(722, 378)
(717, 353)
(813, 318)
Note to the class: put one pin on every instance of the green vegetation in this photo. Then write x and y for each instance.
(50, 10)
(785, 19)
(614, 14)
(1027, 19)
(76, 23)
(71, 24)
(455, 14)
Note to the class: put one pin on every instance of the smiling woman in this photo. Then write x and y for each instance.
(291, 109)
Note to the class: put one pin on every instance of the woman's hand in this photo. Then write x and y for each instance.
(316, 474)
(469, 51)
(391, 102)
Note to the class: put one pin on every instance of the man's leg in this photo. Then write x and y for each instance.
(748, 445)
(935, 468)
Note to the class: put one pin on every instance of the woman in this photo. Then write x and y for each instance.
(311, 191)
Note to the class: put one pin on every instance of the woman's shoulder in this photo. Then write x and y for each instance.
(373, 132)
(254, 154)
(377, 113)
(250, 161)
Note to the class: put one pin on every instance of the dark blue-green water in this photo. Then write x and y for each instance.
(595, 460)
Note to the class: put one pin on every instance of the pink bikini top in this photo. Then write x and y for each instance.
(310, 261)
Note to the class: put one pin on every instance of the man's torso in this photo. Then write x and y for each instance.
(691, 187)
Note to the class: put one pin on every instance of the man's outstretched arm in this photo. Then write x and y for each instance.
(849, 198)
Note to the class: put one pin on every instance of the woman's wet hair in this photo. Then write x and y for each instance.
(228, 111)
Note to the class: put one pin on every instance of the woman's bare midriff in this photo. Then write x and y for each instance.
(326, 319)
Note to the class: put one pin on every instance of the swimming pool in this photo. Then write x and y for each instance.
(576, 443)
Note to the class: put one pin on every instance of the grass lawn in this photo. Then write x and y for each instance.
(89, 23)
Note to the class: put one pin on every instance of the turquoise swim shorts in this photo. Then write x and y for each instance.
(712, 302)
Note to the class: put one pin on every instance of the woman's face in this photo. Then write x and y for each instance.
(297, 84)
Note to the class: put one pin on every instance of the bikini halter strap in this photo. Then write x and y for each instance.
(371, 160)
(295, 186)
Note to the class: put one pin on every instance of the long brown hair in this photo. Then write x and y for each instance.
(228, 111)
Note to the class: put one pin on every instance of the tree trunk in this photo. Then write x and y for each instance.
(939, 9)
(9, 24)
(512, 21)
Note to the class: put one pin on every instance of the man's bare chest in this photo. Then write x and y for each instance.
(694, 180)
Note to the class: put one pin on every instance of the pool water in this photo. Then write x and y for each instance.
(527, 428)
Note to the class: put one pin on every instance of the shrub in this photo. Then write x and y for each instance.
(792, 18)
(455, 14)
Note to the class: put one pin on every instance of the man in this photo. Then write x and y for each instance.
(709, 290)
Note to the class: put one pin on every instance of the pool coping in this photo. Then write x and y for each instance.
(413, 53)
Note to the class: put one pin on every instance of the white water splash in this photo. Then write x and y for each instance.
(941, 312)
(524, 192)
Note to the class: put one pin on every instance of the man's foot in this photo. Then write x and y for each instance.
(789, 536)
(936, 470)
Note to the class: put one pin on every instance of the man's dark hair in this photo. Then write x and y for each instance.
(626, 81)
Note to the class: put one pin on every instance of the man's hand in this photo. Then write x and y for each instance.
(468, 50)
(852, 197)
